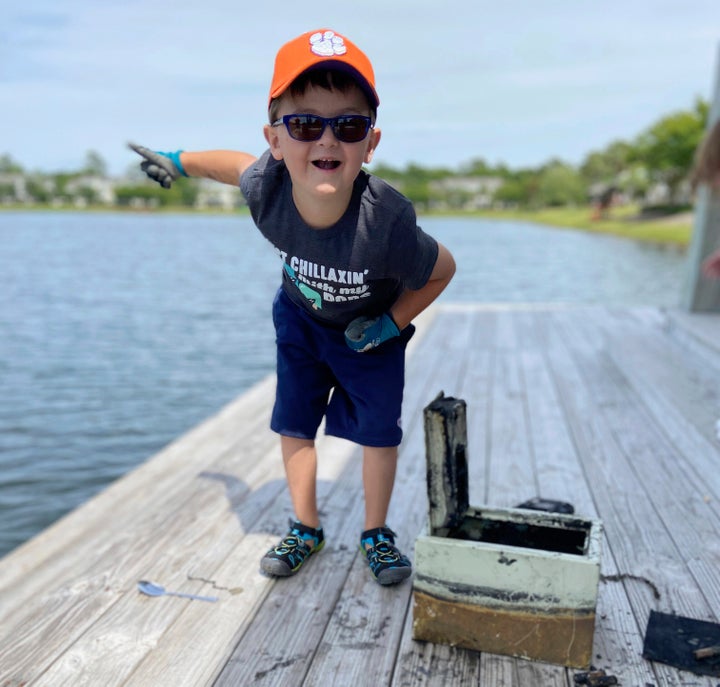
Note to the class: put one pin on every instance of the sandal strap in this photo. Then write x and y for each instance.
(376, 535)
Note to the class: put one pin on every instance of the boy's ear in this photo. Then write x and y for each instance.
(373, 140)
(273, 138)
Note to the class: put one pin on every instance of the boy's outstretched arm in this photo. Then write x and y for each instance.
(225, 166)
(412, 303)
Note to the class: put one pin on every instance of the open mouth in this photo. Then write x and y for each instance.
(326, 164)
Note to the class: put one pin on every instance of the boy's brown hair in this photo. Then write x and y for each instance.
(329, 79)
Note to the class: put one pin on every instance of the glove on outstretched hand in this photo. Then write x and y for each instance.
(365, 333)
(161, 167)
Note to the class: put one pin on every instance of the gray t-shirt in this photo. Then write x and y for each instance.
(360, 265)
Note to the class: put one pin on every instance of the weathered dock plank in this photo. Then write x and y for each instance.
(81, 616)
(652, 569)
(561, 476)
(610, 409)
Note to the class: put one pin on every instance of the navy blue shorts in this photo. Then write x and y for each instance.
(359, 394)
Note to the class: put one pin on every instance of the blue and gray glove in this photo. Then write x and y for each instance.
(161, 167)
(365, 333)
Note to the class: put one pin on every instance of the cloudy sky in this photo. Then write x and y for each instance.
(512, 81)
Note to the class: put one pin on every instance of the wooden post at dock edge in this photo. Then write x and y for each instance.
(447, 470)
(701, 294)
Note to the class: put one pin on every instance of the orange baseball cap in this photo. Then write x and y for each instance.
(317, 48)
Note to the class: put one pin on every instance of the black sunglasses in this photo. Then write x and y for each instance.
(310, 127)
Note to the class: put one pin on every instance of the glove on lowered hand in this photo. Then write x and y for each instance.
(161, 167)
(365, 333)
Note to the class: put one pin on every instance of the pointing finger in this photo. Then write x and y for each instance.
(148, 154)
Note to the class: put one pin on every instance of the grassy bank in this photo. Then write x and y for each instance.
(623, 222)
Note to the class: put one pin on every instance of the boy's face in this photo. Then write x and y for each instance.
(322, 171)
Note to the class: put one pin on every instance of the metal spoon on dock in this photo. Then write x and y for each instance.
(153, 589)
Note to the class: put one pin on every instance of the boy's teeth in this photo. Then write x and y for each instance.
(326, 164)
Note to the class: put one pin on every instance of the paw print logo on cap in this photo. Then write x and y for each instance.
(327, 44)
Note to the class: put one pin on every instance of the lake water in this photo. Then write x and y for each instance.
(119, 332)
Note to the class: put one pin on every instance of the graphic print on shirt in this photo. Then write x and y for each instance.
(319, 283)
(313, 296)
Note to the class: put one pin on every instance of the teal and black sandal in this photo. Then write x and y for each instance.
(387, 564)
(295, 548)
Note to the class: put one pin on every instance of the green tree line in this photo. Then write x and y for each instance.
(662, 153)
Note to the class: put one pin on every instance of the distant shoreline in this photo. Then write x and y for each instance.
(624, 222)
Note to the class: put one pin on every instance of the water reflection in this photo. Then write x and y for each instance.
(521, 262)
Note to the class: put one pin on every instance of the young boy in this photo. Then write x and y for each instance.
(356, 270)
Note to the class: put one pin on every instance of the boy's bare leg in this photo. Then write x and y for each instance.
(300, 459)
(387, 564)
(379, 466)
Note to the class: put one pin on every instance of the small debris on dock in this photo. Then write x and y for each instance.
(684, 643)
(547, 505)
(595, 678)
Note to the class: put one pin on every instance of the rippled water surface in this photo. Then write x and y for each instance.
(119, 332)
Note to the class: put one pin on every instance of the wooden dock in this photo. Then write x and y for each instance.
(613, 410)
